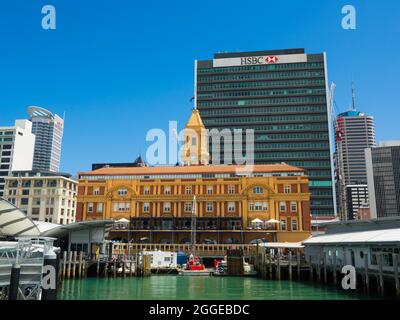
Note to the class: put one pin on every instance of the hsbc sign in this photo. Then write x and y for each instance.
(258, 60)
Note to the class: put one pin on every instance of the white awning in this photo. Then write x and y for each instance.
(273, 221)
(256, 220)
(359, 237)
(123, 220)
(14, 222)
(287, 245)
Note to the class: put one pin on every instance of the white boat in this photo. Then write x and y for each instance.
(205, 272)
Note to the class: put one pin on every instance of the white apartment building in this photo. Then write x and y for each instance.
(43, 196)
(17, 145)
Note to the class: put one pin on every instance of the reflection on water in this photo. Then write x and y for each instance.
(173, 287)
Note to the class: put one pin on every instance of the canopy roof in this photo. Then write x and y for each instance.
(15, 223)
(382, 236)
(288, 245)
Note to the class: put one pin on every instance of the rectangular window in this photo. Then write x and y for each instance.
(146, 207)
(124, 206)
(210, 207)
(122, 192)
(265, 206)
(167, 190)
(167, 206)
(258, 190)
(210, 190)
(25, 192)
(231, 207)
(99, 207)
(294, 225)
(283, 224)
(147, 190)
(287, 188)
(188, 190)
(293, 206)
(96, 191)
(231, 189)
(188, 207)
(36, 201)
(282, 206)
(90, 207)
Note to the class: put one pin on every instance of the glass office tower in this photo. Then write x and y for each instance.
(282, 95)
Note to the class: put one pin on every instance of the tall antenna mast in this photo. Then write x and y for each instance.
(353, 97)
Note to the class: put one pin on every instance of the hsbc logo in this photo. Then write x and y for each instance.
(271, 59)
(258, 60)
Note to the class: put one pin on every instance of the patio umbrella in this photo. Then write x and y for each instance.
(256, 221)
(123, 220)
(273, 221)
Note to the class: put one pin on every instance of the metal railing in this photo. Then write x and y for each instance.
(200, 249)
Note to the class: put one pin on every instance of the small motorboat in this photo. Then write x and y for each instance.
(194, 268)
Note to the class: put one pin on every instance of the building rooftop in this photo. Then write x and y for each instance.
(351, 113)
(359, 237)
(39, 173)
(197, 169)
(220, 55)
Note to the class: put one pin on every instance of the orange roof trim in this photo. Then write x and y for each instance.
(199, 169)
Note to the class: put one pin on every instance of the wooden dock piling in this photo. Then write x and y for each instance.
(334, 268)
(380, 277)
(80, 264)
(64, 262)
(290, 265)
(298, 264)
(325, 271)
(74, 265)
(69, 264)
(396, 273)
(278, 265)
(98, 266)
(366, 275)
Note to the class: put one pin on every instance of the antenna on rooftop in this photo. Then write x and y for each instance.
(353, 97)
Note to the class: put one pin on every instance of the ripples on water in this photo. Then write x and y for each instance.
(173, 287)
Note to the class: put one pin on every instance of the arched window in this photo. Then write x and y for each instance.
(258, 190)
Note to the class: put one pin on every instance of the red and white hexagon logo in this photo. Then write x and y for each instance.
(271, 59)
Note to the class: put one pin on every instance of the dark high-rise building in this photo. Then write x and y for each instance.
(282, 95)
(383, 173)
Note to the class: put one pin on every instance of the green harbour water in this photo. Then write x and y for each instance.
(175, 287)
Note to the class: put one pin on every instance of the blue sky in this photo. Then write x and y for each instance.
(119, 68)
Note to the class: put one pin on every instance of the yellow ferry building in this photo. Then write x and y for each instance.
(270, 202)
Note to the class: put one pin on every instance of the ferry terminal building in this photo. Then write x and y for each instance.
(271, 202)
